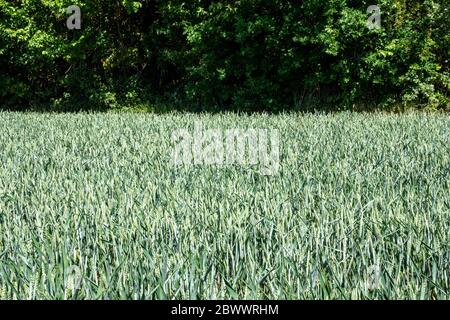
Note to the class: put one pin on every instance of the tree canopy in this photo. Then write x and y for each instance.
(234, 54)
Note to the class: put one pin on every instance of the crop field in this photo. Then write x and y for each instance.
(92, 207)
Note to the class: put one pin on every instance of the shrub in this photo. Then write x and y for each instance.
(247, 54)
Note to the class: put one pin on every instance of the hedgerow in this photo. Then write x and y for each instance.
(247, 54)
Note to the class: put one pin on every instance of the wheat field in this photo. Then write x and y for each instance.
(91, 207)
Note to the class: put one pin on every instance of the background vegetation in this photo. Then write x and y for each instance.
(246, 54)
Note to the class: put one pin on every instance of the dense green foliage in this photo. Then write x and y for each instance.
(249, 54)
(352, 213)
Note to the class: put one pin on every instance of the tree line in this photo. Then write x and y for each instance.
(245, 55)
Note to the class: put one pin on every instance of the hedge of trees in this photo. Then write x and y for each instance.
(242, 54)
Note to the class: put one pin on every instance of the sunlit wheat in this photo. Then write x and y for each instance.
(359, 209)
